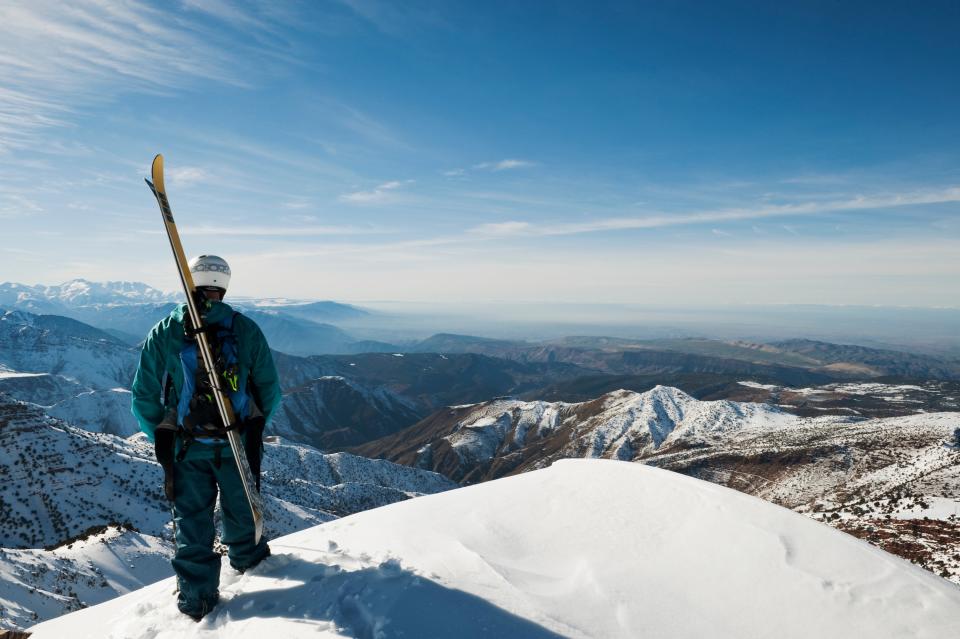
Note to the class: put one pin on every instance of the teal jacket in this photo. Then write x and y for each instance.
(161, 356)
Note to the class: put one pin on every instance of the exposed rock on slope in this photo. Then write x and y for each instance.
(483, 441)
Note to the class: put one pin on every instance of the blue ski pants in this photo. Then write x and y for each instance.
(196, 483)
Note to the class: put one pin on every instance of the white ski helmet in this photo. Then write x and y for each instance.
(210, 271)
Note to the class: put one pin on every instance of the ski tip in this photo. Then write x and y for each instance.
(156, 172)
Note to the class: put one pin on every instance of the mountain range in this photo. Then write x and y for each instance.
(792, 362)
(82, 373)
(128, 310)
(846, 435)
(78, 293)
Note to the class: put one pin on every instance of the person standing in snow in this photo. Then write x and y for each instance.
(173, 402)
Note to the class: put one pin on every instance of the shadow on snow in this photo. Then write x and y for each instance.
(382, 601)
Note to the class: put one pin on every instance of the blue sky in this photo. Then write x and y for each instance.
(662, 153)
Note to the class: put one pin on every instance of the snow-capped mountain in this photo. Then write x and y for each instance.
(586, 548)
(482, 441)
(79, 292)
(60, 481)
(875, 478)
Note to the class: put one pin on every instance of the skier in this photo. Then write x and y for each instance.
(173, 402)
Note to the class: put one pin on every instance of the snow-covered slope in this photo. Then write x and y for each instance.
(42, 389)
(99, 411)
(40, 584)
(75, 371)
(586, 548)
(62, 346)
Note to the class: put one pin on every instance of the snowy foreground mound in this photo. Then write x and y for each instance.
(585, 548)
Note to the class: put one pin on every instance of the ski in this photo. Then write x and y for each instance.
(203, 346)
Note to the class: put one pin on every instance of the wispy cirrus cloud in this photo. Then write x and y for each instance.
(657, 220)
(378, 251)
(272, 231)
(504, 228)
(249, 17)
(818, 179)
(396, 18)
(365, 126)
(57, 58)
(505, 165)
(17, 205)
(296, 204)
(187, 175)
(377, 194)
(501, 165)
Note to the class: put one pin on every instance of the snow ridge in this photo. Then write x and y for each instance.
(586, 548)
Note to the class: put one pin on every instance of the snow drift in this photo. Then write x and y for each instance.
(585, 548)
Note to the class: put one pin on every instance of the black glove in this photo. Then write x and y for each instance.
(164, 442)
(253, 443)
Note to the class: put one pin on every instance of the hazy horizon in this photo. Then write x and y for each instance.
(931, 330)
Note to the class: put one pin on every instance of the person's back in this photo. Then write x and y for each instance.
(173, 402)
